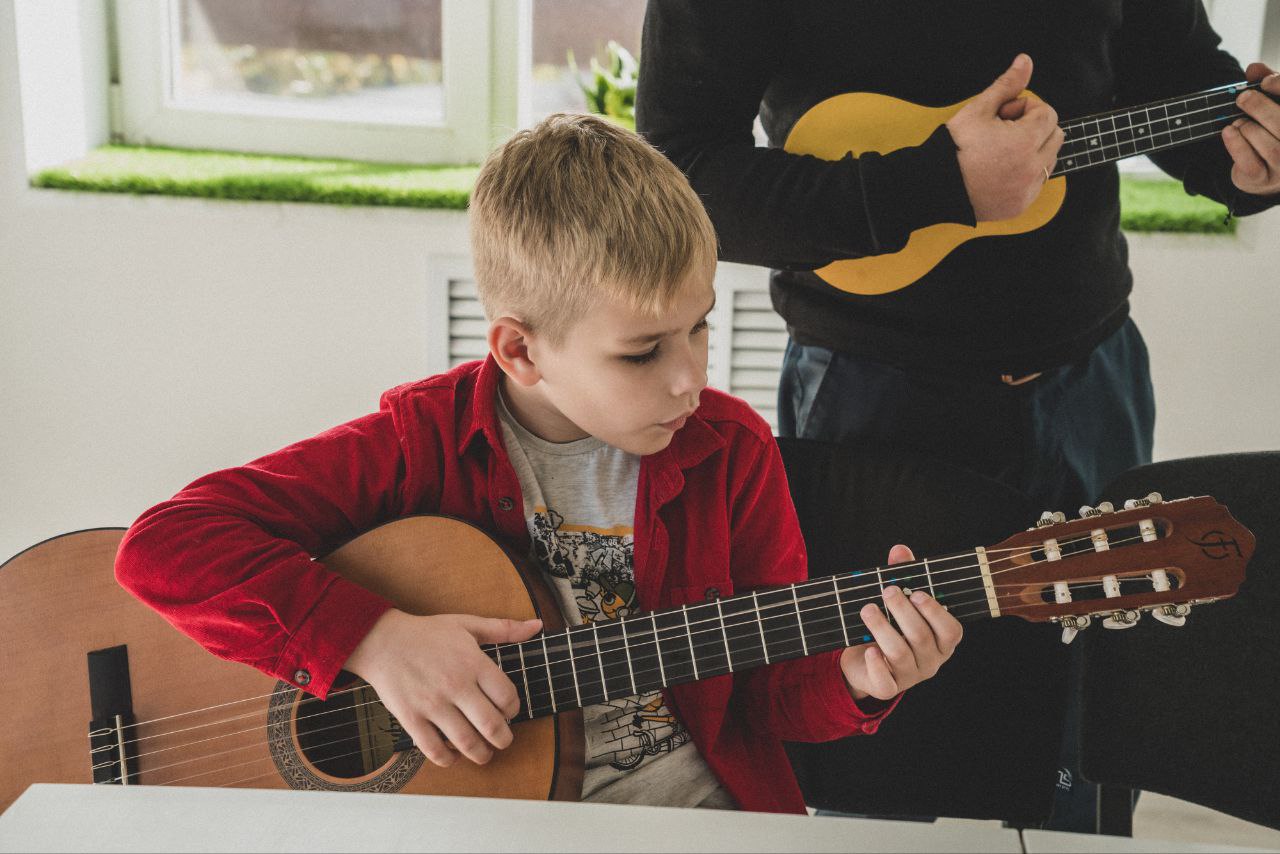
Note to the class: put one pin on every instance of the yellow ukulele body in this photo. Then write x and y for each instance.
(860, 122)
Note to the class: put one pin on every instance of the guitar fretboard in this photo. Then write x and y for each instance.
(593, 663)
(1107, 137)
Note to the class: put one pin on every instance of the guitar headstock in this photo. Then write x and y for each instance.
(1154, 555)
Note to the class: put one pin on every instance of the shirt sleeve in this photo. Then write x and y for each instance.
(1168, 48)
(804, 699)
(229, 559)
(704, 67)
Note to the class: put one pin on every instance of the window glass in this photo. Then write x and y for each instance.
(372, 60)
(583, 30)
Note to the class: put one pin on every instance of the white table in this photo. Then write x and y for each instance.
(58, 817)
(50, 817)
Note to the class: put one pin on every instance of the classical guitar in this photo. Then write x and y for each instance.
(101, 689)
(859, 122)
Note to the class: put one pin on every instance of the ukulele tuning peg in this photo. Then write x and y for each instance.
(1172, 615)
(1106, 507)
(1122, 620)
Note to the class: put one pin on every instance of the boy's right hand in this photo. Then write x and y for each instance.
(432, 675)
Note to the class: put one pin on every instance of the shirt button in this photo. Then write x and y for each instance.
(713, 593)
(505, 504)
(302, 677)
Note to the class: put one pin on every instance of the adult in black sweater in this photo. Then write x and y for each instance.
(1014, 356)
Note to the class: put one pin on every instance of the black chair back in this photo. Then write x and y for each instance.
(979, 740)
(1194, 712)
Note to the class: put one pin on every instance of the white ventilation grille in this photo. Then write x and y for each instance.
(743, 326)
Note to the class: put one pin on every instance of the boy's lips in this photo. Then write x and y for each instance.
(676, 423)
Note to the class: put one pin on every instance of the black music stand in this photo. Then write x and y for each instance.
(982, 738)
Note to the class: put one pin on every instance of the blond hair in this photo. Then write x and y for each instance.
(576, 210)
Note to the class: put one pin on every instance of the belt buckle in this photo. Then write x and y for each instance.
(1011, 380)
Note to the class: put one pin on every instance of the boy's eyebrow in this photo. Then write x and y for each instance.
(656, 336)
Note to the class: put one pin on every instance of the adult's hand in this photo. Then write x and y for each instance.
(1253, 141)
(1008, 144)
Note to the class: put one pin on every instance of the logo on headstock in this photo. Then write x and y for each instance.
(1216, 545)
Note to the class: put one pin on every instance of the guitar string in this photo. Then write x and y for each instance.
(1232, 89)
(785, 610)
(271, 741)
(290, 688)
(789, 612)
(1121, 155)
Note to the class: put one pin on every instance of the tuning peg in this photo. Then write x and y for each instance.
(1045, 520)
(1121, 620)
(1172, 615)
(1154, 498)
(1086, 512)
(1106, 507)
(1071, 626)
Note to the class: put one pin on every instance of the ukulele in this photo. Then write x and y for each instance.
(858, 122)
(103, 690)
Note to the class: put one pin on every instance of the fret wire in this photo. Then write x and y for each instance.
(764, 644)
(626, 646)
(1081, 125)
(573, 668)
(835, 585)
(1194, 138)
(657, 642)
(1232, 90)
(551, 684)
(604, 684)
(728, 656)
(528, 695)
(929, 577)
(823, 599)
(1071, 152)
(693, 656)
(799, 621)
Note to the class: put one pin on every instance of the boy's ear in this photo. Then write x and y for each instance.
(509, 342)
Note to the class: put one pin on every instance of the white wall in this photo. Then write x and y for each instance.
(145, 341)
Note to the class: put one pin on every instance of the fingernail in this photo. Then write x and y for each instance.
(892, 591)
(919, 597)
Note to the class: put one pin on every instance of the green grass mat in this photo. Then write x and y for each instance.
(224, 175)
(1146, 205)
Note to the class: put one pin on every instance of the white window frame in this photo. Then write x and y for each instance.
(472, 49)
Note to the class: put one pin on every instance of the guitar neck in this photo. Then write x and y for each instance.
(593, 663)
(1108, 137)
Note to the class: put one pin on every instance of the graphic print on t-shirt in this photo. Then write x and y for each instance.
(597, 563)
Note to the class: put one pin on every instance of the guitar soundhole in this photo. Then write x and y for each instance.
(350, 735)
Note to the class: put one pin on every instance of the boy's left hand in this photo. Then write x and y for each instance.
(895, 662)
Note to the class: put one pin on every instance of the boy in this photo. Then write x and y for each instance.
(586, 439)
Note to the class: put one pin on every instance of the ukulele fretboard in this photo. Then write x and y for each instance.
(1107, 137)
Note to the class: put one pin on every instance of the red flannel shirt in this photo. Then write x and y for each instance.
(228, 560)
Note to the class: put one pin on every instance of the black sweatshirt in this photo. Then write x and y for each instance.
(1011, 304)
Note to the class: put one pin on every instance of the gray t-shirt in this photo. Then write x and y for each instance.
(579, 504)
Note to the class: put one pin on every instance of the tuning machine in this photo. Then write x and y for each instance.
(1152, 498)
(1122, 619)
(1071, 626)
(1172, 615)
(1049, 518)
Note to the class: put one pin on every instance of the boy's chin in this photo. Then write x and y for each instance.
(646, 443)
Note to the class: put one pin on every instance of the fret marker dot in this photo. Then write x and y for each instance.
(1071, 162)
(1142, 130)
(1177, 121)
(1095, 142)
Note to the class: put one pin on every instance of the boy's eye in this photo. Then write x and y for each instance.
(643, 358)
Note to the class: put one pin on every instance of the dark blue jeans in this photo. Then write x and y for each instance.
(1059, 438)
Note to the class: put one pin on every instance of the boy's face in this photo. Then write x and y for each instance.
(626, 379)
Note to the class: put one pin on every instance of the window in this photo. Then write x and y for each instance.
(392, 80)
(583, 31)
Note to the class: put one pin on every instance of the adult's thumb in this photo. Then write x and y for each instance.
(1008, 85)
(490, 630)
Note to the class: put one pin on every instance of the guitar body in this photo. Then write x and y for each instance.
(860, 122)
(59, 601)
